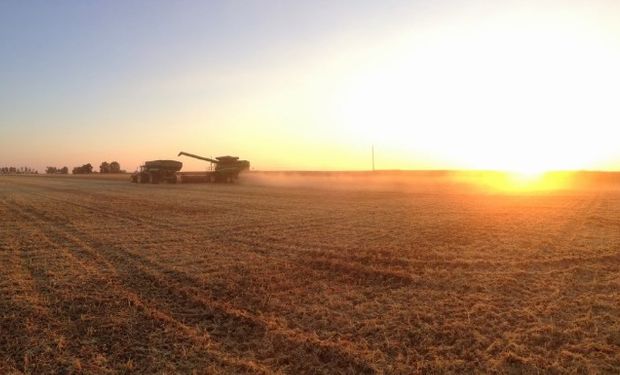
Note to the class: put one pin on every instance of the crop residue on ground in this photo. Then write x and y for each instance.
(104, 276)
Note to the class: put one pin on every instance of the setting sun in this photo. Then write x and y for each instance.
(523, 182)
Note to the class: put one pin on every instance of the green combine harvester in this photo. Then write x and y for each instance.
(227, 169)
(223, 169)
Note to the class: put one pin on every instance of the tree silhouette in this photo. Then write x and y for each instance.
(85, 169)
(115, 167)
(104, 167)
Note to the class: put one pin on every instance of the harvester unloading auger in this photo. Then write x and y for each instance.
(227, 168)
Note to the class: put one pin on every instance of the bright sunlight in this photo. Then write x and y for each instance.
(499, 95)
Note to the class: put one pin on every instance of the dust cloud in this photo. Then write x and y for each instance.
(476, 182)
(388, 181)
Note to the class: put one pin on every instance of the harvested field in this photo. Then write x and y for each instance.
(104, 276)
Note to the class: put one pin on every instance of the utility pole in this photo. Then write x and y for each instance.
(373, 157)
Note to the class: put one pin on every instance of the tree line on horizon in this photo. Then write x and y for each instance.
(54, 170)
(18, 170)
(105, 167)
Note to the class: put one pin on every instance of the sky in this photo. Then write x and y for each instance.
(312, 85)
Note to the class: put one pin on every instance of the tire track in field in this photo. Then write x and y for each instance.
(242, 328)
(95, 283)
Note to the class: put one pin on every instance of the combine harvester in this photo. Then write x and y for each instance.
(227, 169)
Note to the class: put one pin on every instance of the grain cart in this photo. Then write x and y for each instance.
(156, 171)
(227, 168)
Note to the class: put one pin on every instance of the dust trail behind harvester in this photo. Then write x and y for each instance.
(491, 182)
(405, 181)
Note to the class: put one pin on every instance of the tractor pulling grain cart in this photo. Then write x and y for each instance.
(156, 171)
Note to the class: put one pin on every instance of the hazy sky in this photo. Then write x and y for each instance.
(312, 85)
